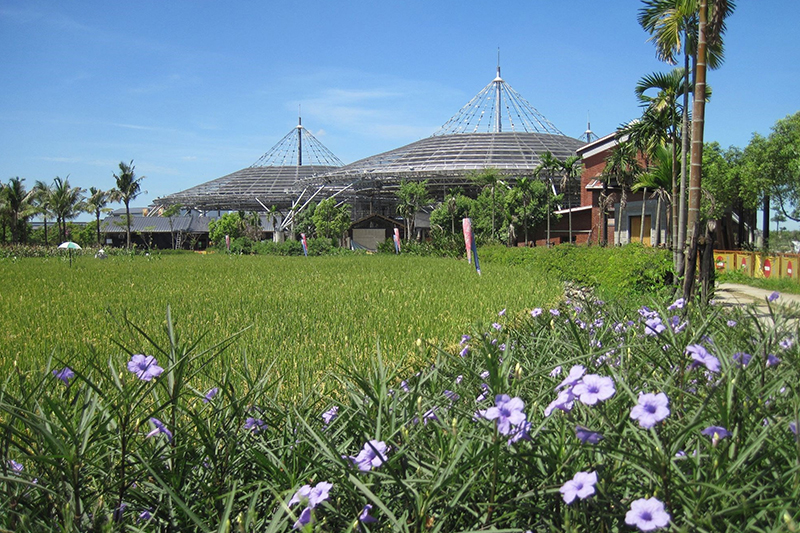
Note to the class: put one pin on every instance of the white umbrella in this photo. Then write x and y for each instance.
(69, 245)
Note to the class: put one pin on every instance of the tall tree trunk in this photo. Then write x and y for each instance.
(691, 263)
(641, 225)
(128, 223)
(707, 271)
(569, 207)
(547, 244)
(698, 120)
(657, 240)
(765, 220)
(45, 231)
(681, 199)
(98, 226)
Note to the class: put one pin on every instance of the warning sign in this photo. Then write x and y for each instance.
(767, 268)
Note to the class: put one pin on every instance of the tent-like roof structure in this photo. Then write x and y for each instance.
(268, 182)
(497, 129)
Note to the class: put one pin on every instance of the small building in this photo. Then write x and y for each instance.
(181, 231)
(368, 232)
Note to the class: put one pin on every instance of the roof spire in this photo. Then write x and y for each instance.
(498, 103)
(589, 135)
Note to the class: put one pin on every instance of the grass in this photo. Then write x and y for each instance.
(304, 316)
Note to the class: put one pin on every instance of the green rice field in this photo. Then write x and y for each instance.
(303, 316)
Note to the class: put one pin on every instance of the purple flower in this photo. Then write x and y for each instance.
(312, 496)
(65, 374)
(574, 376)
(330, 414)
(15, 467)
(554, 312)
(646, 312)
(464, 351)
(677, 304)
(651, 409)
(502, 313)
(210, 394)
(580, 486)
(717, 433)
(304, 519)
(774, 296)
(254, 425)
(536, 312)
(450, 395)
(144, 516)
(731, 323)
(647, 514)
(497, 326)
(702, 357)
(465, 339)
(793, 426)
(404, 385)
(677, 325)
(594, 388)
(365, 517)
(159, 427)
(521, 432)
(773, 360)
(371, 456)
(555, 372)
(507, 412)
(743, 359)
(653, 326)
(586, 435)
(786, 343)
(144, 366)
(563, 401)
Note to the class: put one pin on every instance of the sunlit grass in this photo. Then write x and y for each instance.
(304, 316)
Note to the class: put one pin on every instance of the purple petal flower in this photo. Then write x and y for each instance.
(793, 426)
(536, 312)
(580, 486)
(15, 467)
(254, 425)
(594, 388)
(717, 433)
(555, 372)
(774, 296)
(507, 411)
(404, 385)
(651, 409)
(465, 339)
(210, 394)
(742, 359)
(773, 360)
(502, 313)
(311, 496)
(144, 516)
(647, 514)
(646, 312)
(677, 304)
(554, 312)
(365, 517)
(371, 456)
(330, 414)
(575, 375)
(304, 519)
(497, 326)
(677, 325)
(564, 402)
(65, 374)
(520, 432)
(786, 343)
(464, 351)
(654, 326)
(159, 427)
(731, 323)
(145, 367)
(586, 435)
(450, 395)
(702, 357)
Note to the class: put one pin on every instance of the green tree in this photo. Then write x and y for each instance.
(169, 213)
(571, 169)
(228, 224)
(330, 220)
(658, 178)
(490, 179)
(42, 200)
(548, 167)
(412, 196)
(17, 208)
(622, 170)
(96, 204)
(526, 203)
(66, 202)
(127, 189)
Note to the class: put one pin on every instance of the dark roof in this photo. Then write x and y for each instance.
(186, 224)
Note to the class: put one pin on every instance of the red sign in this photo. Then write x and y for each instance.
(789, 268)
(767, 268)
(720, 263)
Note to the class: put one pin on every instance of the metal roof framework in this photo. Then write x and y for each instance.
(268, 182)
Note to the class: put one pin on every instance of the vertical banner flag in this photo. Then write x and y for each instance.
(469, 240)
(466, 224)
(396, 241)
(305, 244)
(228, 242)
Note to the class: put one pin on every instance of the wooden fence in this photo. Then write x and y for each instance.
(759, 265)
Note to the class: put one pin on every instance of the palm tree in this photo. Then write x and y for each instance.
(490, 177)
(17, 207)
(658, 178)
(623, 167)
(66, 203)
(96, 204)
(571, 168)
(525, 187)
(127, 189)
(43, 197)
(413, 195)
(548, 165)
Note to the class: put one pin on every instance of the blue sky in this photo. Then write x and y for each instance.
(192, 91)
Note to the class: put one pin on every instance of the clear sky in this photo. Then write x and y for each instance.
(192, 91)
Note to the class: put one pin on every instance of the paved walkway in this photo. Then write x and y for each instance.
(735, 294)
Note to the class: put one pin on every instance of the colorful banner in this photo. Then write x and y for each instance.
(396, 240)
(228, 242)
(305, 244)
(469, 240)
